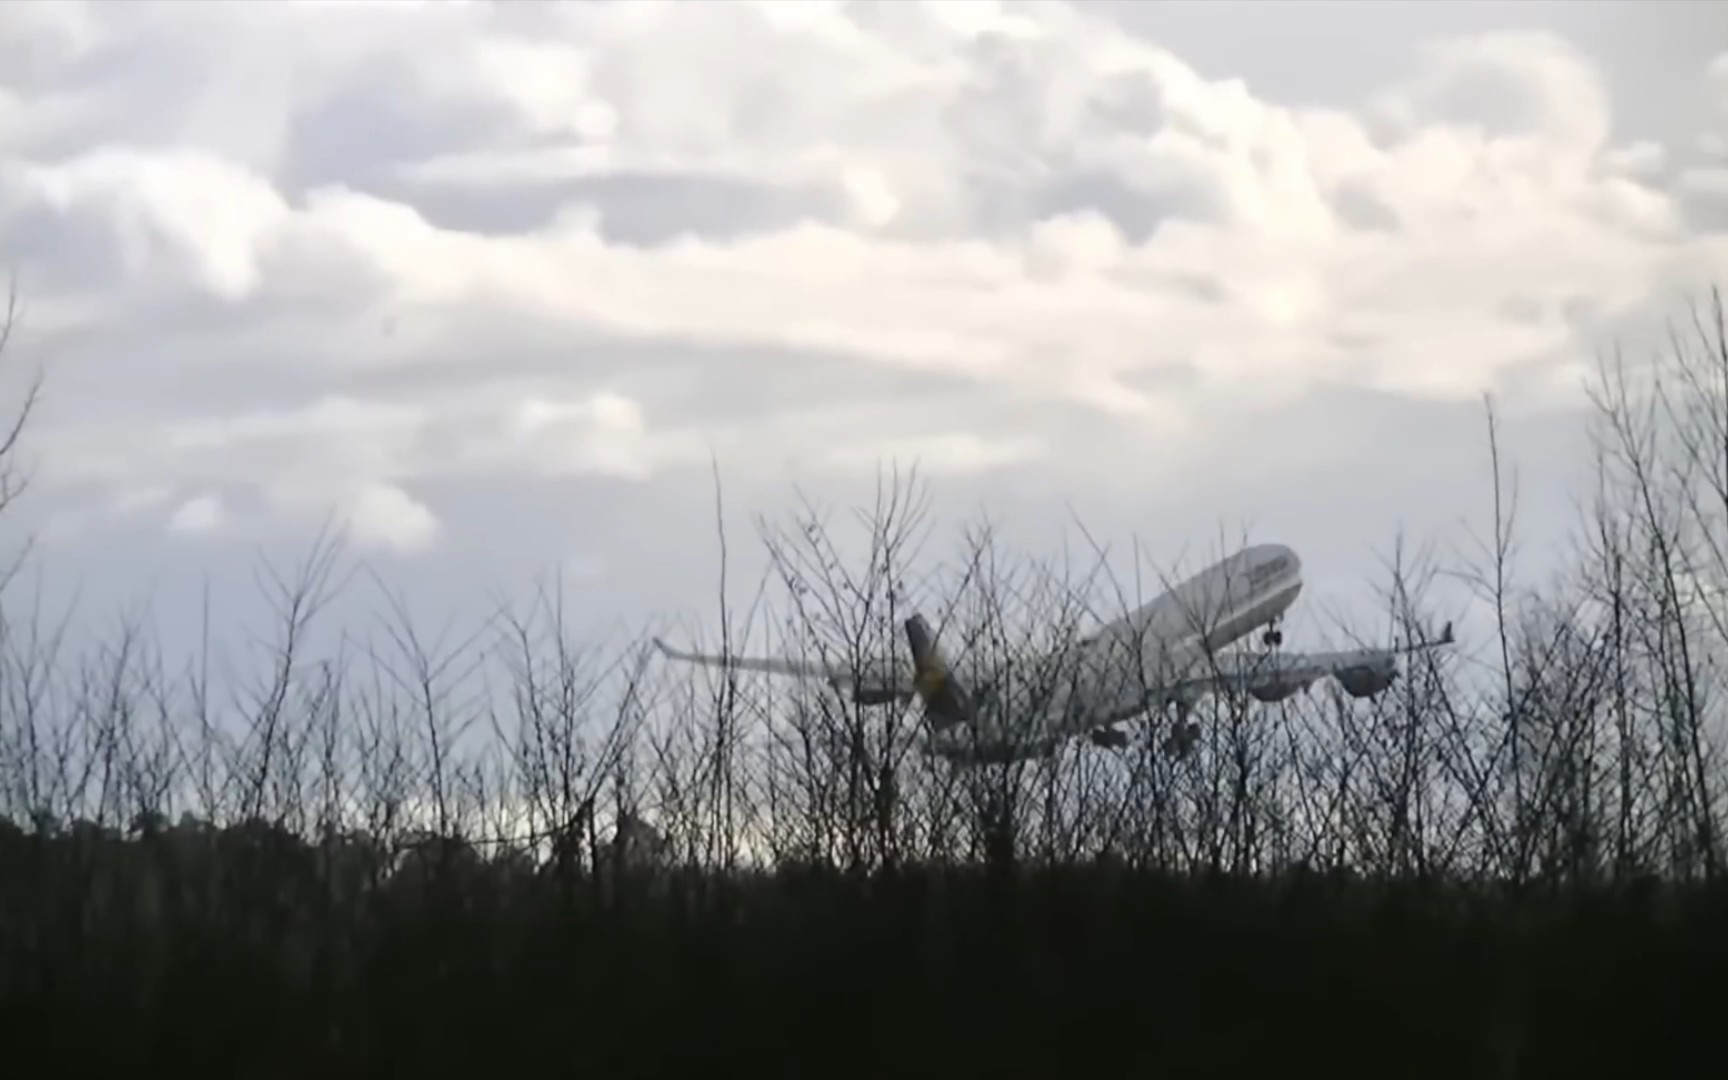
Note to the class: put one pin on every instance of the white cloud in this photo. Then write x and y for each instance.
(213, 216)
(135, 500)
(1706, 180)
(384, 516)
(583, 567)
(347, 456)
(1066, 227)
(200, 514)
(1644, 159)
(604, 434)
(957, 454)
(1512, 84)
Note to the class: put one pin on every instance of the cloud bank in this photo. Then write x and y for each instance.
(289, 260)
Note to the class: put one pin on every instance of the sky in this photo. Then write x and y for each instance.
(496, 288)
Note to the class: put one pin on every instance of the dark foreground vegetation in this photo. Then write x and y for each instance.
(248, 954)
(398, 857)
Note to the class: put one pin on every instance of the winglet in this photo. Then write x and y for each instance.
(1446, 638)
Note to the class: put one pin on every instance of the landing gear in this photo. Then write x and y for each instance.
(1183, 735)
(1274, 635)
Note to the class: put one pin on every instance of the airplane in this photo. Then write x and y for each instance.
(1161, 657)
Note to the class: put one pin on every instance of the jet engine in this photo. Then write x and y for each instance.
(1111, 738)
(1366, 680)
(1275, 689)
(865, 693)
(871, 684)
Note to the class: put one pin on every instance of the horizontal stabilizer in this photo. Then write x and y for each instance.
(868, 683)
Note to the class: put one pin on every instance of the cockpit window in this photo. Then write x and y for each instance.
(1267, 571)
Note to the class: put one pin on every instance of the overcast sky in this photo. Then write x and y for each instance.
(491, 282)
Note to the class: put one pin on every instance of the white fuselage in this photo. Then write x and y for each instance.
(1137, 662)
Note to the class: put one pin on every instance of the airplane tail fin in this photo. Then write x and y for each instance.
(922, 642)
(945, 700)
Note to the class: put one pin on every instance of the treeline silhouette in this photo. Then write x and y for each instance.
(395, 854)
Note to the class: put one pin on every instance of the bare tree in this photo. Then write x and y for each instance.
(13, 478)
(385, 815)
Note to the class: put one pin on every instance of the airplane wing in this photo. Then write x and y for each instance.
(869, 683)
(1274, 676)
(1265, 673)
